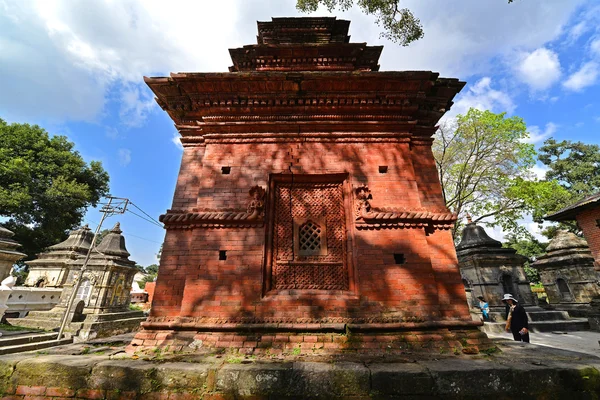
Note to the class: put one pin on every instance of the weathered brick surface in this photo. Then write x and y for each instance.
(357, 130)
(30, 390)
(588, 222)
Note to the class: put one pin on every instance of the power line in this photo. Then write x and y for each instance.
(146, 219)
(146, 214)
(89, 221)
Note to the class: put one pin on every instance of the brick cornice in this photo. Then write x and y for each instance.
(253, 216)
(368, 217)
(317, 101)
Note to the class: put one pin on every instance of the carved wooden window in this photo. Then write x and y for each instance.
(308, 249)
(310, 237)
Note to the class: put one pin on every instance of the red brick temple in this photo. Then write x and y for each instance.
(308, 210)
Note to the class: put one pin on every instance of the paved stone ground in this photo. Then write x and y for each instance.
(581, 341)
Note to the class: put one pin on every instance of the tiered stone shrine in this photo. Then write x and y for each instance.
(567, 272)
(490, 270)
(308, 206)
(8, 252)
(51, 268)
(103, 295)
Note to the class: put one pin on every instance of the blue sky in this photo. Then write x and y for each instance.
(76, 69)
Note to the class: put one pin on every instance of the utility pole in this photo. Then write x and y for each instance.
(116, 205)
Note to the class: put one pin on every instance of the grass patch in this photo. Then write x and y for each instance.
(15, 328)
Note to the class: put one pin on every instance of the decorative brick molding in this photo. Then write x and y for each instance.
(368, 217)
(227, 218)
(331, 324)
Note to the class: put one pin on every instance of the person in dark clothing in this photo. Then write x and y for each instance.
(517, 322)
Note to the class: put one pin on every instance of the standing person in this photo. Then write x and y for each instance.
(485, 308)
(517, 321)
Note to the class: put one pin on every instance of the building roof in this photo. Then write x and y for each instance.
(569, 213)
(305, 44)
(304, 77)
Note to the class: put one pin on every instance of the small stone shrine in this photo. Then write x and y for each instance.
(8, 252)
(490, 270)
(103, 295)
(308, 203)
(567, 272)
(587, 214)
(51, 268)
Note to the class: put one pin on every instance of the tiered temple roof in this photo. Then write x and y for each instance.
(305, 44)
(304, 77)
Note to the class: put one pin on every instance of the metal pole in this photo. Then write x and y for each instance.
(106, 210)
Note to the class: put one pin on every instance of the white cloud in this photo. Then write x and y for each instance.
(136, 103)
(466, 40)
(176, 139)
(539, 171)
(112, 132)
(595, 47)
(539, 69)
(482, 96)
(578, 30)
(60, 59)
(536, 135)
(124, 157)
(586, 76)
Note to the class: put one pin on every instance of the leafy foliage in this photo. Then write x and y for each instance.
(575, 166)
(152, 272)
(101, 235)
(483, 163)
(399, 24)
(45, 185)
(529, 247)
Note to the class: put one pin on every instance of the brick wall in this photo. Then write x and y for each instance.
(193, 282)
(588, 222)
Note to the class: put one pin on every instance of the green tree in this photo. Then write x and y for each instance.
(529, 247)
(484, 167)
(45, 185)
(151, 273)
(101, 236)
(576, 167)
(399, 24)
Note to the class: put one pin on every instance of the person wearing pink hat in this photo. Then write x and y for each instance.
(517, 321)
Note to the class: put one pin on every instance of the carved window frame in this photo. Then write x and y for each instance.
(321, 223)
(275, 179)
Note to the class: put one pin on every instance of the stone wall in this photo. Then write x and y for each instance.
(25, 299)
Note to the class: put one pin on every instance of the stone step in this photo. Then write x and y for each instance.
(573, 324)
(536, 316)
(20, 348)
(25, 338)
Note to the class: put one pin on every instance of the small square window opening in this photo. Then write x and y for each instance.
(399, 258)
(222, 255)
(383, 169)
(225, 170)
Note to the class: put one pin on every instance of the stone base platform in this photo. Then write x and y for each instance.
(333, 339)
(540, 321)
(515, 371)
(94, 325)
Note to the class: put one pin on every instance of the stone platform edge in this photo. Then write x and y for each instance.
(519, 372)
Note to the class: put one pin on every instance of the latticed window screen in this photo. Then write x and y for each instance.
(309, 238)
